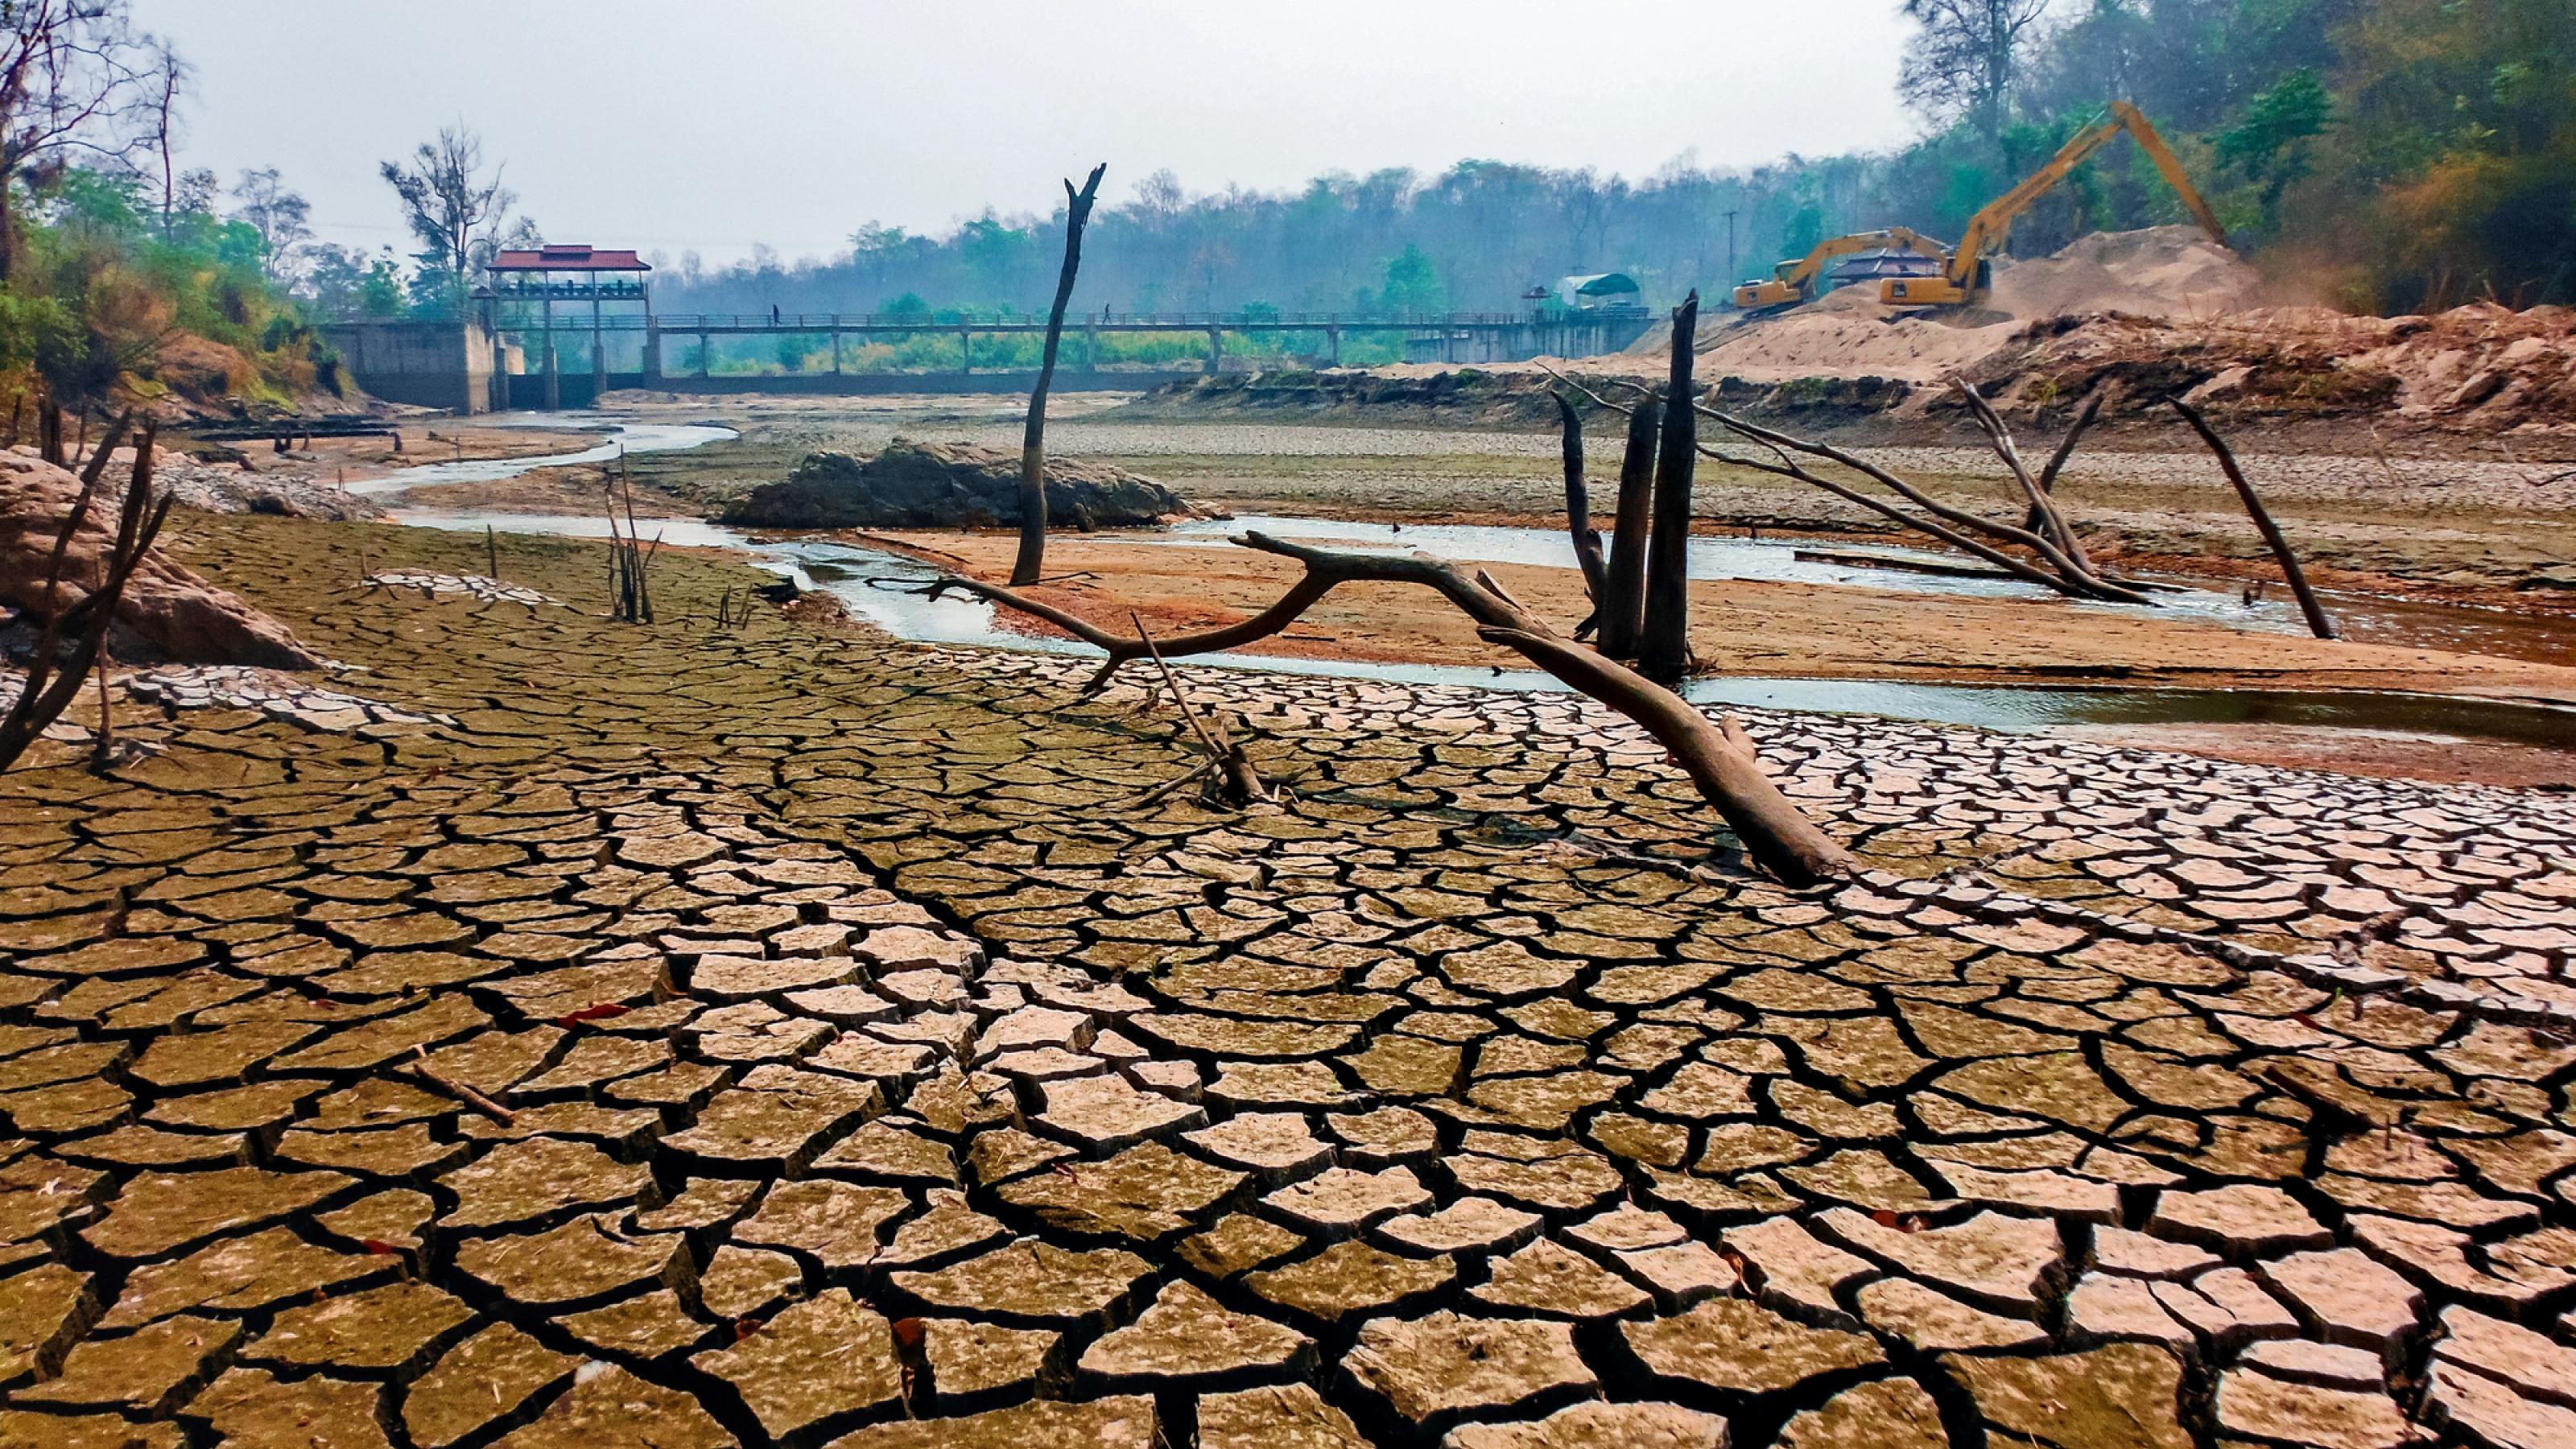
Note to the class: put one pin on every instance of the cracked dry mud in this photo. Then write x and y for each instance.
(865, 1067)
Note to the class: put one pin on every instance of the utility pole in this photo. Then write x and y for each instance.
(1730, 249)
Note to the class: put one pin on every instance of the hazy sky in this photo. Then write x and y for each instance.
(677, 124)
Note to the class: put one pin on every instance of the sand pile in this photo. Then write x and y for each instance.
(2166, 271)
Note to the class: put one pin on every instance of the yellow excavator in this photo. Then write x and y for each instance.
(1794, 281)
(1964, 270)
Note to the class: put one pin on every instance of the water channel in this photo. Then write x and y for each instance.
(879, 586)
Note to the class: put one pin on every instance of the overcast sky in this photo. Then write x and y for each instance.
(679, 124)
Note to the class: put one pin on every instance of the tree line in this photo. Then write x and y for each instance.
(2391, 154)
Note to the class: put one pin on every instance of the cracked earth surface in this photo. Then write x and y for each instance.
(646, 1035)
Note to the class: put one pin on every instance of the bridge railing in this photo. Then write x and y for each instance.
(1022, 322)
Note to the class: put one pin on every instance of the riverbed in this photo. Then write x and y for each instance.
(883, 585)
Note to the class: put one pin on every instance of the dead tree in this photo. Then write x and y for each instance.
(1623, 593)
(1663, 650)
(1031, 562)
(55, 674)
(1953, 526)
(1578, 514)
(2318, 622)
(1720, 761)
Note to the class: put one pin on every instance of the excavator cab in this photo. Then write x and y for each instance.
(1777, 290)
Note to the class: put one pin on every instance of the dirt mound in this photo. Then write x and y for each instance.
(2158, 272)
(168, 614)
(950, 485)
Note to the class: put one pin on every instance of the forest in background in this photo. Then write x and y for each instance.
(2385, 155)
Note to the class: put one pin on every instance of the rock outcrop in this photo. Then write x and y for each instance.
(950, 485)
(169, 613)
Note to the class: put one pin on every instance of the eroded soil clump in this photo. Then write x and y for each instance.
(708, 1037)
(912, 484)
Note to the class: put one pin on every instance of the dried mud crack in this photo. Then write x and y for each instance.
(657, 1035)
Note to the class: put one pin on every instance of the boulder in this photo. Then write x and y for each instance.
(169, 613)
(950, 485)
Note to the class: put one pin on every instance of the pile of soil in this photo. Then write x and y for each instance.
(2483, 368)
(168, 613)
(913, 484)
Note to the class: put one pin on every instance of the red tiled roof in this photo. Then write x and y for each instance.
(568, 258)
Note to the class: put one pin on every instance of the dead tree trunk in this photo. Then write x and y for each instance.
(1623, 593)
(1578, 514)
(1030, 565)
(1663, 652)
(2318, 622)
(1777, 837)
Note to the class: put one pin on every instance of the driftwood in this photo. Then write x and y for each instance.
(1718, 756)
(1578, 513)
(2319, 623)
(1663, 649)
(1720, 761)
(1950, 525)
(2056, 463)
(54, 676)
(1031, 561)
(1243, 783)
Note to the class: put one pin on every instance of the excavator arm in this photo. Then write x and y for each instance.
(1963, 270)
(2170, 167)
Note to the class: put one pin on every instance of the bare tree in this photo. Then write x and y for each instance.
(447, 201)
(169, 77)
(1031, 561)
(1962, 62)
(76, 78)
(279, 216)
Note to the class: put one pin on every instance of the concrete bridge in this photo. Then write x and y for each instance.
(469, 367)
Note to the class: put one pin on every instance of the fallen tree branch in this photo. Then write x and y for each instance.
(1243, 781)
(1719, 760)
(2318, 623)
(2066, 578)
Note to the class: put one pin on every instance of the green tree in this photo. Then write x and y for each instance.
(2269, 146)
(1413, 283)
